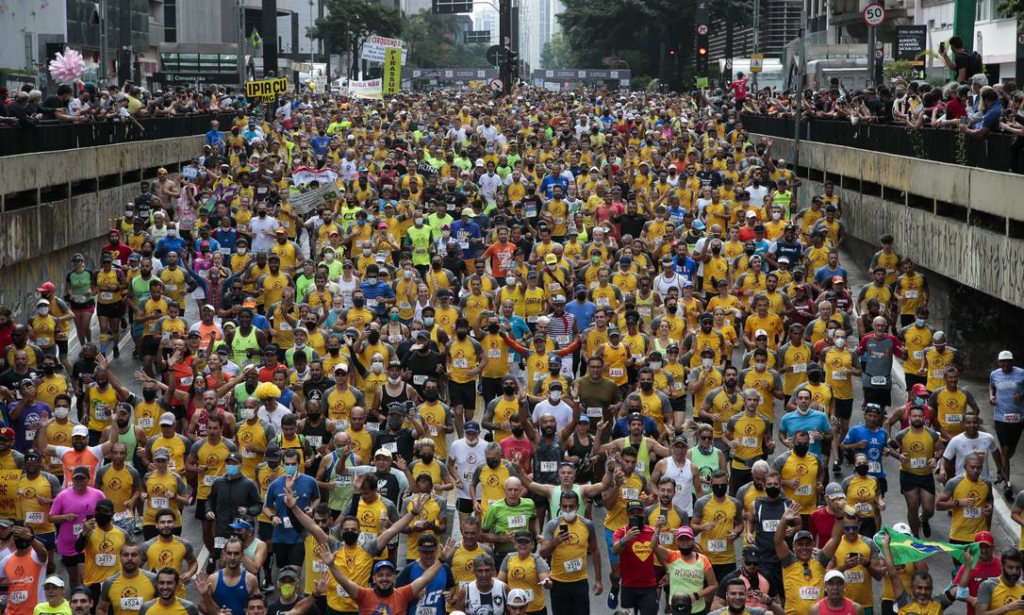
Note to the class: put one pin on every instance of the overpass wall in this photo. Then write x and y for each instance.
(57, 203)
(963, 226)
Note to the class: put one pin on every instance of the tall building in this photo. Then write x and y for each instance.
(780, 24)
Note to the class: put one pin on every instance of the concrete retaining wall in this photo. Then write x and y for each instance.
(55, 204)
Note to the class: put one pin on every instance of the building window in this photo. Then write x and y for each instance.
(171, 21)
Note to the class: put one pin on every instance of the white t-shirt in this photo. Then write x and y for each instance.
(757, 195)
(275, 418)
(489, 185)
(960, 446)
(467, 459)
(261, 242)
(562, 412)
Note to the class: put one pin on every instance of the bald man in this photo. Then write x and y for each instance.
(506, 517)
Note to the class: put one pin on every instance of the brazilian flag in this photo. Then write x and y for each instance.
(255, 40)
(906, 549)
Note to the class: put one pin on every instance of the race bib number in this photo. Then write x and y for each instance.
(319, 567)
(804, 490)
(918, 354)
(340, 425)
(35, 517)
(76, 529)
(717, 546)
(371, 303)
(630, 494)
(432, 430)
(461, 363)
(124, 515)
(799, 368)
(770, 525)
(343, 480)
(493, 353)
(854, 576)
(391, 447)
(146, 423)
(972, 512)
(954, 418)
(677, 386)
(219, 542)
(30, 434)
(918, 462)
(938, 373)
(615, 372)
(516, 522)
(131, 604)
(810, 593)
(749, 442)
(1011, 418)
(549, 466)
(171, 288)
(108, 296)
(78, 299)
(365, 537)
(286, 522)
(44, 341)
(315, 441)
(874, 467)
(554, 287)
(340, 591)
(105, 559)
(563, 340)
(865, 509)
(247, 454)
(602, 302)
(594, 412)
(419, 380)
(665, 539)
(19, 597)
(879, 381)
(910, 294)
(641, 466)
(209, 479)
(573, 565)
(159, 503)
(532, 319)
(426, 610)
(839, 374)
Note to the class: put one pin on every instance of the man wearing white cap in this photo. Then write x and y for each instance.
(835, 601)
(1006, 393)
(516, 602)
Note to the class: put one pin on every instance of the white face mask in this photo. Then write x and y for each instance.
(247, 413)
(510, 281)
(840, 342)
(366, 251)
(394, 380)
(776, 215)
(656, 365)
(760, 366)
(555, 395)
(61, 413)
(43, 311)
(707, 362)
(377, 367)
(569, 516)
(241, 250)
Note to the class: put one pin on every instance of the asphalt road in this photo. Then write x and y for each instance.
(1004, 529)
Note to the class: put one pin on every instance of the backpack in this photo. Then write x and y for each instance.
(975, 65)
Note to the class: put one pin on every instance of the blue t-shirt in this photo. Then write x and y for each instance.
(320, 144)
(463, 232)
(374, 292)
(548, 183)
(433, 597)
(687, 268)
(306, 490)
(1006, 386)
(992, 117)
(814, 420)
(621, 428)
(582, 312)
(823, 275)
(876, 442)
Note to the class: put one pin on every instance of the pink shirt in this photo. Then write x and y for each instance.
(81, 504)
(519, 452)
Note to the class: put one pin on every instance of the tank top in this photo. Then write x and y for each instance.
(202, 421)
(250, 551)
(555, 504)
(683, 477)
(706, 463)
(240, 344)
(643, 457)
(846, 609)
(316, 435)
(130, 441)
(387, 400)
(489, 603)
(583, 451)
(231, 596)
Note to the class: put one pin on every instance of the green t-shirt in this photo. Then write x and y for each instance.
(44, 608)
(502, 518)
(685, 577)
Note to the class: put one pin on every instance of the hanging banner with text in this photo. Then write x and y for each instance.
(370, 88)
(392, 71)
(266, 89)
(375, 46)
(9, 498)
(304, 175)
(911, 41)
(308, 201)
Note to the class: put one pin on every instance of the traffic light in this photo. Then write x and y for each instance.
(671, 53)
(702, 19)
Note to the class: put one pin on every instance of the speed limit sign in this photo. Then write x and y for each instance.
(874, 15)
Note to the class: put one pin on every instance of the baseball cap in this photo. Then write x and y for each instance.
(750, 555)
(80, 471)
(1005, 355)
(293, 573)
(518, 598)
(751, 214)
(33, 453)
(7, 432)
(551, 259)
(161, 453)
(80, 430)
(382, 564)
(233, 458)
(383, 452)
(54, 580)
(427, 542)
(472, 426)
(838, 279)
(634, 505)
(902, 528)
(341, 367)
(167, 418)
(984, 538)
(834, 574)
(241, 524)
(613, 331)
(834, 490)
(46, 287)
(684, 531)
(760, 333)
(801, 535)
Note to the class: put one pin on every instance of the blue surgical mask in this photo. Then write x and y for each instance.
(919, 322)
(291, 470)
(231, 469)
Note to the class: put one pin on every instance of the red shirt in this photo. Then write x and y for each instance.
(267, 372)
(822, 522)
(500, 253)
(739, 87)
(637, 560)
(372, 604)
(519, 452)
(979, 573)
(746, 233)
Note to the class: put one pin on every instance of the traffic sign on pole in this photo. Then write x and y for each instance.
(874, 15)
(495, 85)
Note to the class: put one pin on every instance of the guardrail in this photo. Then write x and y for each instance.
(56, 136)
(994, 152)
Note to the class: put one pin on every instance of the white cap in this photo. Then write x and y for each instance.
(759, 333)
(751, 214)
(902, 528)
(79, 430)
(54, 580)
(1005, 355)
(834, 574)
(518, 597)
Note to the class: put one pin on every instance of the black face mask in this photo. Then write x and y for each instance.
(773, 492)
(716, 250)
(509, 389)
(350, 537)
(313, 418)
(800, 449)
(493, 328)
(358, 302)
(395, 424)
(686, 550)
(862, 469)
(461, 334)
(430, 394)
(814, 377)
(373, 337)
(719, 490)
(517, 432)
(148, 394)
(555, 371)
(21, 543)
(493, 463)
(334, 351)
(102, 519)
(748, 251)
(647, 387)
(427, 458)
(671, 309)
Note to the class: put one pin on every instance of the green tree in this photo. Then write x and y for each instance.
(434, 42)
(557, 53)
(349, 22)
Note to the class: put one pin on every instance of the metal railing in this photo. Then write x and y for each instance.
(996, 152)
(55, 136)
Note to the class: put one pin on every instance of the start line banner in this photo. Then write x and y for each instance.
(304, 175)
(306, 202)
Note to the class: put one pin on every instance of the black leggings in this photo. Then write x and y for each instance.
(642, 599)
(570, 598)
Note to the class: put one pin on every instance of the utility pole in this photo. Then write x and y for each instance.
(104, 60)
(269, 18)
(505, 40)
(799, 99)
(757, 35)
(240, 35)
(124, 41)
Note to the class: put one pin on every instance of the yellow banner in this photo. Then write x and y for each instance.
(9, 500)
(267, 89)
(392, 70)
